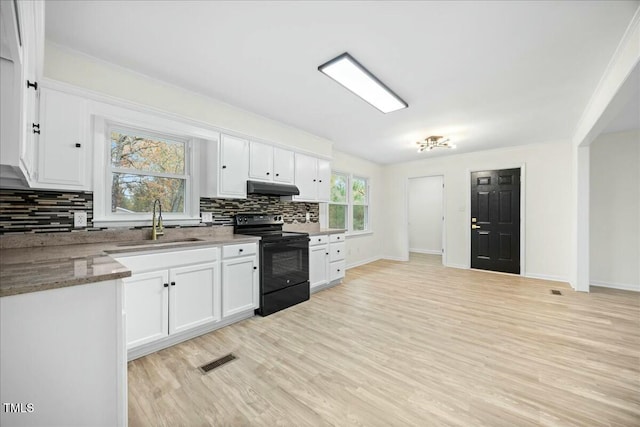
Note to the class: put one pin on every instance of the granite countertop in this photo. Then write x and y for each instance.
(41, 267)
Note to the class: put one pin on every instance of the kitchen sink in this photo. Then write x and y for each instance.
(158, 242)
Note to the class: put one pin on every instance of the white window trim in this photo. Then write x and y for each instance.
(349, 230)
(103, 217)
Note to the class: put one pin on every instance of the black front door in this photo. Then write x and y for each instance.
(495, 220)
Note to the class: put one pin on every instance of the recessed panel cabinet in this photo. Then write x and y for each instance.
(240, 285)
(63, 148)
(313, 178)
(224, 167)
(194, 296)
(326, 260)
(268, 163)
(147, 307)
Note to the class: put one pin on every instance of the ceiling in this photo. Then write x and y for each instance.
(486, 74)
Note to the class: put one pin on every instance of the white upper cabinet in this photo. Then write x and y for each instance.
(224, 167)
(324, 180)
(283, 165)
(268, 163)
(313, 178)
(21, 58)
(234, 166)
(261, 161)
(63, 146)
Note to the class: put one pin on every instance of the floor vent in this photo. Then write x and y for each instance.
(556, 292)
(208, 367)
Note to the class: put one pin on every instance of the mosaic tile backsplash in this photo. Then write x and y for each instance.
(29, 211)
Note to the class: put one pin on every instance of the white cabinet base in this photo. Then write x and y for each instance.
(177, 338)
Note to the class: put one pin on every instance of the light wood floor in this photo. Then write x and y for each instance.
(410, 343)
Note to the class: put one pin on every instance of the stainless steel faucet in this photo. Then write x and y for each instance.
(156, 227)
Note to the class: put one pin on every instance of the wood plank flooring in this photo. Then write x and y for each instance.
(409, 344)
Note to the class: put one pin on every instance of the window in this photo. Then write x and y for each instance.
(136, 166)
(349, 205)
(360, 197)
(338, 206)
(145, 168)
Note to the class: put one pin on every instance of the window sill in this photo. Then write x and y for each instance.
(359, 233)
(111, 223)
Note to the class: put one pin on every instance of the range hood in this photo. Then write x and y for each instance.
(271, 188)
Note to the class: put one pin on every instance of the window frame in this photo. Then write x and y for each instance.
(347, 195)
(350, 204)
(103, 216)
(367, 221)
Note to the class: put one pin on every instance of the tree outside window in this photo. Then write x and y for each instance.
(338, 205)
(360, 193)
(146, 168)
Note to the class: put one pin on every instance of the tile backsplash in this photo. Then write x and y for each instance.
(35, 211)
(293, 212)
(29, 211)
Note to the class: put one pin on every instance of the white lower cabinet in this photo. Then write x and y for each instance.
(176, 295)
(318, 263)
(240, 285)
(194, 296)
(326, 259)
(147, 307)
(170, 293)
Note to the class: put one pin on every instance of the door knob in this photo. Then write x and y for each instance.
(473, 226)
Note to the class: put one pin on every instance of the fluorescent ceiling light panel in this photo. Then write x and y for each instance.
(349, 73)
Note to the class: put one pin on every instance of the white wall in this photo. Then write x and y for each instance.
(425, 214)
(547, 184)
(365, 248)
(615, 210)
(90, 73)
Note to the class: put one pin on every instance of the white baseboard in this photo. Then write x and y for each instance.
(621, 286)
(460, 266)
(395, 258)
(426, 251)
(363, 262)
(546, 277)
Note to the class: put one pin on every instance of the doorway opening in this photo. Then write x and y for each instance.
(496, 220)
(426, 219)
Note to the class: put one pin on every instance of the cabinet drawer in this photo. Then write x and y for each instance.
(336, 251)
(165, 260)
(230, 251)
(336, 237)
(318, 240)
(336, 270)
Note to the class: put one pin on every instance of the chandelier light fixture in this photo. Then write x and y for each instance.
(432, 142)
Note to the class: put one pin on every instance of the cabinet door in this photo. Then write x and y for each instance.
(324, 180)
(147, 307)
(194, 296)
(283, 165)
(261, 161)
(239, 285)
(306, 168)
(318, 265)
(62, 143)
(234, 166)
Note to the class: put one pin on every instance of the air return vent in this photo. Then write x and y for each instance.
(210, 366)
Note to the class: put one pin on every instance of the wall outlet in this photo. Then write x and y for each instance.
(206, 217)
(79, 219)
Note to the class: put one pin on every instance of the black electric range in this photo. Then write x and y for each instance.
(284, 261)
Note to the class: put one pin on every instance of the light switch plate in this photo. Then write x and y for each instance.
(206, 216)
(79, 219)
